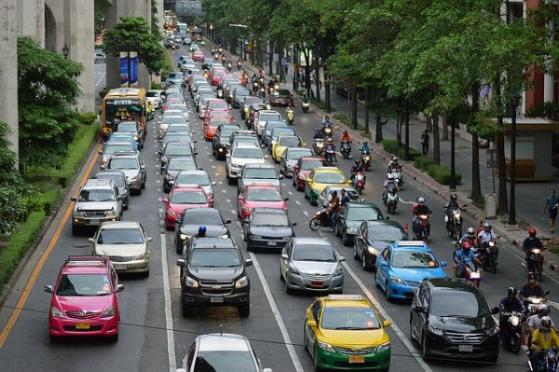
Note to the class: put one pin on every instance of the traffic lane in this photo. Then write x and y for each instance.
(260, 327)
(139, 318)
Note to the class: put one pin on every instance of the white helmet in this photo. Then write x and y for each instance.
(421, 200)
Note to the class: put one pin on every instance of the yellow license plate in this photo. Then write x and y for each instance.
(83, 326)
(356, 359)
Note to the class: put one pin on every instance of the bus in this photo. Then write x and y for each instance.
(123, 104)
(182, 29)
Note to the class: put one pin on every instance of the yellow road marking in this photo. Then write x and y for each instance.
(37, 270)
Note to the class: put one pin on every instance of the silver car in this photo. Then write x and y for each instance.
(168, 119)
(263, 117)
(258, 174)
(311, 264)
(174, 166)
(110, 147)
(196, 178)
(240, 155)
(133, 167)
(125, 243)
(290, 157)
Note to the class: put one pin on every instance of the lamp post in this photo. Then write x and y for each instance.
(515, 102)
(65, 50)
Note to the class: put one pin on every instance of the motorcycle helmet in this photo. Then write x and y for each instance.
(532, 232)
(202, 230)
(546, 323)
(471, 232)
(421, 200)
(531, 277)
(453, 197)
(511, 292)
(466, 246)
(487, 226)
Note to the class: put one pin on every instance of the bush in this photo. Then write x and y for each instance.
(441, 174)
(20, 242)
(391, 146)
(423, 162)
(87, 118)
(156, 86)
(77, 152)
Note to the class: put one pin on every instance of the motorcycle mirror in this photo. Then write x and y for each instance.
(495, 310)
(547, 293)
(464, 206)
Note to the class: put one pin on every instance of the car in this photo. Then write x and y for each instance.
(124, 137)
(177, 109)
(84, 299)
(350, 217)
(134, 129)
(187, 65)
(173, 149)
(220, 142)
(326, 194)
(191, 220)
(119, 179)
(169, 119)
(289, 158)
(450, 318)
(264, 116)
(302, 170)
(240, 155)
(372, 237)
(253, 174)
(156, 97)
(282, 144)
(253, 110)
(259, 196)
(212, 121)
(175, 165)
(243, 136)
(204, 102)
(198, 56)
(221, 352)
(245, 105)
(214, 274)
(125, 243)
(229, 88)
(177, 137)
(281, 97)
(311, 264)
(271, 125)
(216, 76)
(346, 332)
(239, 93)
(402, 265)
(97, 201)
(181, 199)
(133, 167)
(202, 97)
(321, 177)
(277, 133)
(267, 228)
(112, 146)
(197, 178)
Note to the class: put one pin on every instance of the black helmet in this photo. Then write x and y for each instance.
(453, 197)
(202, 230)
(511, 291)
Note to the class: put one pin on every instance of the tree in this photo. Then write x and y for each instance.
(47, 89)
(133, 34)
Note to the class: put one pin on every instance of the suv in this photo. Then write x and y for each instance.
(133, 167)
(119, 179)
(214, 273)
(258, 174)
(85, 299)
(242, 154)
(98, 201)
(264, 116)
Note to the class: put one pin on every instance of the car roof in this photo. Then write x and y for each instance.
(94, 183)
(120, 225)
(266, 186)
(269, 211)
(247, 145)
(85, 265)
(193, 171)
(188, 188)
(268, 112)
(222, 342)
(111, 172)
(313, 241)
(450, 283)
(298, 149)
(213, 243)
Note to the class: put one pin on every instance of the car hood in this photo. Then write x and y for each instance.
(125, 250)
(245, 161)
(344, 338)
(212, 231)
(131, 173)
(351, 224)
(216, 273)
(462, 324)
(272, 231)
(266, 204)
(84, 303)
(260, 181)
(418, 274)
(94, 206)
(315, 267)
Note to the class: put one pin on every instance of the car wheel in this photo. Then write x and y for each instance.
(114, 338)
(345, 239)
(178, 248)
(146, 274)
(75, 230)
(186, 311)
(230, 180)
(143, 185)
(364, 264)
(139, 191)
(355, 254)
(244, 310)
(287, 289)
(387, 290)
(377, 281)
(316, 367)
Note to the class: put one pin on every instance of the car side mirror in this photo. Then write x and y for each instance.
(341, 259)
(311, 323)
(149, 239)
(73, 198)
(103, 167)
(386, 323)
(294, 224)
(48, 288)
(248, 262)
(119, 288)
(195, 152)
(227, 222)
(444, 263)
(91, 240)
(181, 262)
(284, 256)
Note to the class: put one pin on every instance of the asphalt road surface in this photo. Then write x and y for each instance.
(155, 337)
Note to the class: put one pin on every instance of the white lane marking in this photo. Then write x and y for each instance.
(224, 191)
(289, 192)
(279, 319)
(168, 311)
(306, 213)
(297, 202)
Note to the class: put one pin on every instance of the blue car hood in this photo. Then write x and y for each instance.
(417, 275)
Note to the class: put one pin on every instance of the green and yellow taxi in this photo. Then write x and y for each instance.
(320, 178)
(282, 144)
(345, 332)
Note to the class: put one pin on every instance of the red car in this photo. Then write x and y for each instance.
(216, 76)
(85, 299)
(214, 120)
(181, 199)
(198, 56)
(303, 168)
(259, 196)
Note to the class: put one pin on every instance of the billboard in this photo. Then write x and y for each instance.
(128, 66)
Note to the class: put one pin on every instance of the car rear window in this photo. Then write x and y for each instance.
(248, 153)
(296, 154)
(92, 195)
(260, 173)
(193, 179)
(120, 236)
(224, 360)
(263, 195)
(189, 197)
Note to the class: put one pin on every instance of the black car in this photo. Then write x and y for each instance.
(281, 97)
(449, 318)
(351, 216)
(372, 237)
(220, 142)
(267, 228)
(214, 274)
(239, 93)
(191, 220)
(246, 102)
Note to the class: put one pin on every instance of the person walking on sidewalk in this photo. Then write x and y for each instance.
(551, 206)
(425, 142)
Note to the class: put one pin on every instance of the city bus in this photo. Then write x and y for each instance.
(123, 104)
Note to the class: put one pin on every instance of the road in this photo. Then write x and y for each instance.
(155, 338)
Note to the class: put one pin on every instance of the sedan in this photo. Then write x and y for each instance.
(181, 199)
(239, 94)
(173, 149)
(271, 125)
(281, 97)
(283, 143)
(198, 56)
(191, 220)
(174, 166)
(311, 264)
(372, 237)
(220, 142)
(290, 157)
(259, 196)
(351, 216)
(267, 228)
(197, 178)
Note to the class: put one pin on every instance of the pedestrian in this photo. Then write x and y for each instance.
(551, 205)
(425, 142)
(286, 67)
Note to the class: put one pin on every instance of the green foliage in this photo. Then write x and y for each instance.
(549, 110)
(392, 147)
(423, 162)
(135, 35)
(77, 152)
(99, 9)
(441, 174)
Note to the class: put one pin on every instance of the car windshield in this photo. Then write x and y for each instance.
(349, 318)
(271, 125)
(178, 164)
(215, 257)
(227, 130)
(202, 218)
(362, 214)
(120, 236)
(310, 164)
(188, 197)
(217, 105)
(269, 117)
(414, 260)
(276, 132)
(224, 360)
(177, 137)
(289, 141)
(314, 252)
(269, 219)
(193, 179)
(121, 137)
(263, 195)
(248, 153)
(252, 100)
(124, 163)
(84, 285)
(127, 128)
(458, 303)
(328, 177)
(283, 92)
(92, 195)
(183, 150)
(173, 120)
(296, 154)
(260, 173)
(386, 233)
(120, 181)
(111, 148)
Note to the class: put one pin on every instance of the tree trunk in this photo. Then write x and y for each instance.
(367, 105)
(476, 179)
(327, 95)
(502, 198)
(317, 71)
(436, 139)
(307, 72)
(271, 58)
(407, 134)
(399, 124)
(354, 122)
(445, 128)
(279, 65)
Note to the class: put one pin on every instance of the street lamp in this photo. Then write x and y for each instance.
(66, 50)
(515, 102)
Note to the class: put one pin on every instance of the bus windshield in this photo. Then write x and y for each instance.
(123, 110)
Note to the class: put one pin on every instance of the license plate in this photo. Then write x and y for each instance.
(317, 284)
(466, 348)
(272, 243)
(120, 267)
(216, 300)
(356, 359)
(82, 326)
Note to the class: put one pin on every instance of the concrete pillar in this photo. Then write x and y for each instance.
(549, 87)
(81, 43)
(31, 20)
(8, 70)
(58, 33)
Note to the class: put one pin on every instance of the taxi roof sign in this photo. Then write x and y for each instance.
(411, 243)
(345, 297)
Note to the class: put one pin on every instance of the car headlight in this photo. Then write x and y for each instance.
(435, 330)
(111, 213)
(140, 257)
(492, 331)
(294, 270)
(325, 346)
(257, 237)
(396, 280)
(191, 282)
(134, 178)
(372, 250)
(220, 149)
(184, 237)
(56, 312)
(110, 311)
(383, 347)
(351, 230)
(241, 283)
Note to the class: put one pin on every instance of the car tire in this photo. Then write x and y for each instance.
(54, 339)
(377, 282)
(143, 185)
(139, 191)
(230, 181)
(345, 240)
(316, 367)
(287, 289)
(355, 254)
(364, 262)
(244, 310)
(75, 230)
(186, 311)
(146, 274)
(113, 339)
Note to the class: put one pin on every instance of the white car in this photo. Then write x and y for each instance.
(155, 97)
(240, 155)
(263, 117)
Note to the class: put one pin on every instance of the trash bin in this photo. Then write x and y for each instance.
(490, 206)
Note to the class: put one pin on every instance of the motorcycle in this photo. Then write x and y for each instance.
(262, 93)
(487, 255)
(534, 262)
(472, 274)
(320, 219)
(366, 160)
(220, 50)
(396, 172)
(549, 362)
(318, 146)
(229, 66)
(239, 65)
(216, 56)
(391, 201)
(305, 106)
(219, 92)
(359, 182)
(534, 304)
(454, 225)
(290, 116)
(345, 149)
(330, 156)
(422, 227)
(327, 131)
(255, 88)
(512, 334)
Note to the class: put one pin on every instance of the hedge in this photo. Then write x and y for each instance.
(392, 147)
(77, 152)
(441, 174)
(423, 162)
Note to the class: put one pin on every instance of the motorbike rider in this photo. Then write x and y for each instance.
(531, 242)
(364, 149)
(531, 289)
(305, 98)
(509, 304)
(390, 185)
(330, 149)
(451, 206)
(393, 164)
(345, 197)
(462, 257)
(469, 236)
(333, 207)
(346, 138)
(486, 235)
(201, 232)
(543, 339)
(326, 121)
(357, 167)
(418, 209)
(318, 134)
